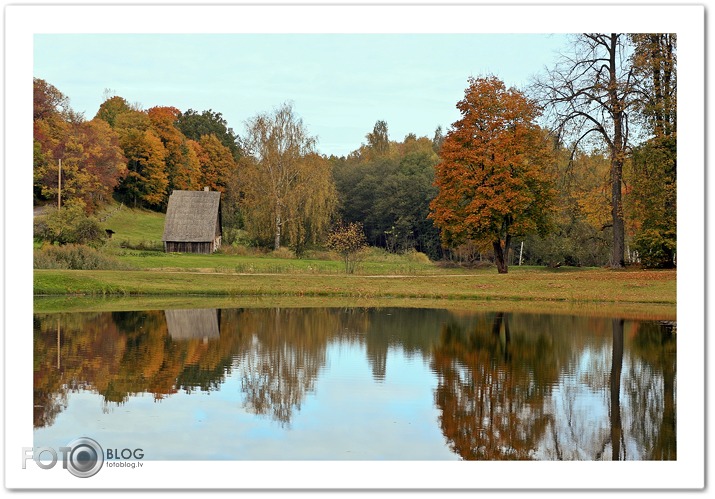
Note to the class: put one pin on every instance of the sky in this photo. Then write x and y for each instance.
(339, 84)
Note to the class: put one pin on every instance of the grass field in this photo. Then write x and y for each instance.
(133, 225)
(380, 278)
(376, 265)
(585, 286)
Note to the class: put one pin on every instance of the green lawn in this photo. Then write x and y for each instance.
(133, 225)
(271, 265)
(586, 287)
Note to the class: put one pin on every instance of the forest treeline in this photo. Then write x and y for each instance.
(577, 169)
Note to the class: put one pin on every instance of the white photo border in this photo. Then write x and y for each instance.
(22, 22)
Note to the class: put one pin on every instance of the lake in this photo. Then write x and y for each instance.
(357, 384)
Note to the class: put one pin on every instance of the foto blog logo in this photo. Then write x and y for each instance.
(83, 457)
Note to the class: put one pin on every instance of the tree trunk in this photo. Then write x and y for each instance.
(665, 447)
(616, 368)
(501, 254)
(277, 242)
(619, 233)
(617, 154)
(499, 320)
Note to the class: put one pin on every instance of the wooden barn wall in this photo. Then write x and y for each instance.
(188, 247)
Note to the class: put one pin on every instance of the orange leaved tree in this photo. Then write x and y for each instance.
(494, 176)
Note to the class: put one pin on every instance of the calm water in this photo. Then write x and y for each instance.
(357, 384)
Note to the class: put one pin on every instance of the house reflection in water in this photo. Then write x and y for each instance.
(201, 323)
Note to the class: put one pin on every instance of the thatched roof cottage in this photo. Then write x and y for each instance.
(193, 222)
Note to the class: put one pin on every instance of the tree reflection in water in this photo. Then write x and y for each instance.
(540, 394)
(653, 392)
(284, 359)
(508, 386)
(492, 407)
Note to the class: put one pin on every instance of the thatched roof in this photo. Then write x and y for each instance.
(192, 216)
(192, 323)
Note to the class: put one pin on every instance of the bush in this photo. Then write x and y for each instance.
(69, 226)
(284, 253)
(415, 256)
(142, 245)
(656, 249)
(75, 257)
(240, 250)
(348, 241)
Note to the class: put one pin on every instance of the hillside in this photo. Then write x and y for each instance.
(135, 226)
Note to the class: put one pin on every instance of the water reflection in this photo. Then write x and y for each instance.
(191, 324)
(502, 386)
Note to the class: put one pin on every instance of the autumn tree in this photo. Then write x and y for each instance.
(593, 92)
(653, 170)
(216, 163)
(195, 125)
(98, 154)
(287, 187)
(48, 101)
(378, 140)
(146, 181)
(493, 177)
(654, 61)
(347, 239)
(181, 161)
(92, 160)
(111, 108)
(582, 193)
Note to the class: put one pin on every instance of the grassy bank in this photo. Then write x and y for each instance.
(595, 286)
(72, 303)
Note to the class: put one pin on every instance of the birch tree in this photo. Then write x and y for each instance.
(287, 187)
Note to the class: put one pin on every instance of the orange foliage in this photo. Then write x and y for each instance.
(493, 176)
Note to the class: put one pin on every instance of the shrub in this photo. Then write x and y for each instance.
(348, 240)
(240, 250)
(283, 252)
(70, 225)
(75, 257)
(656, 249)
(142, 245)
(415, 256)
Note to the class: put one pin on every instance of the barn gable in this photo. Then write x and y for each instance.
(193, 222)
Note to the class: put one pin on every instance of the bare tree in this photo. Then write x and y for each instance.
(593, 91)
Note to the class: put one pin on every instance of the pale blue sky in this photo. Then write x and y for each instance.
(340, 84)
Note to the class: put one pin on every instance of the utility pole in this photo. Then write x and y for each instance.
(59, 186)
